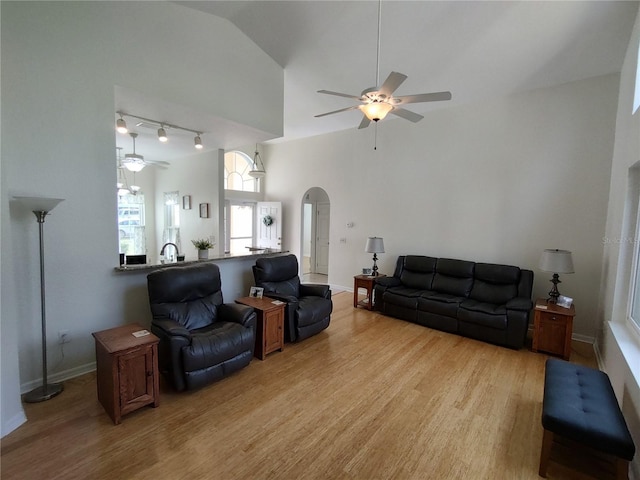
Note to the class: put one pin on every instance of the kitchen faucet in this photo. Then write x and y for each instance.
(165, 246)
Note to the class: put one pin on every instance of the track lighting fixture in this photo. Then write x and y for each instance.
(121, 125)
(162, 134)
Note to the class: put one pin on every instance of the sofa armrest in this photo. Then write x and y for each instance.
(237, 313)
(520, 303)
(171, 328)
(389, 282)
(312, 290)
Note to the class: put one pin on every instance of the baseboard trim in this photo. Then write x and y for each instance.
(13, 423)
(59, 376)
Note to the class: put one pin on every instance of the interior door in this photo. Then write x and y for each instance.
(269, 225)
(322, 238)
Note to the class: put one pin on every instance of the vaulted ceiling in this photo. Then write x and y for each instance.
(477, 50)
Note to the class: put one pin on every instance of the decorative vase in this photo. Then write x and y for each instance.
(203, 254)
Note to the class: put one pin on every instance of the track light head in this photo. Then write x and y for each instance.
(121, 125)
(198, 142)
(162, 134)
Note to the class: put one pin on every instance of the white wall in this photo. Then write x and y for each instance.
(621, 356)
(60, 63)
(195, 175)
(493, 182)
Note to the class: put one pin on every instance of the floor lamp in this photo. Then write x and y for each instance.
(41, 207)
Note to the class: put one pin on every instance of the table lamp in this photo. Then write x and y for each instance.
(374, 245)
(556, 261)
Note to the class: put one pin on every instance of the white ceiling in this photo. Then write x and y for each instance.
(477, 50)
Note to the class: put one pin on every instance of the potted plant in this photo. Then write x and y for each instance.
(203, 246)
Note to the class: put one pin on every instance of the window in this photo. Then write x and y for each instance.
(237, 166)
(171, 232)
(242, 192)
(131, 224)
(239, 231)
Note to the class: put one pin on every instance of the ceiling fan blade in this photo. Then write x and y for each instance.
(406, 114)
(364, 123)
(423, 97)
(338, 94)
(157, 162)
(393, 81)
(337, 111)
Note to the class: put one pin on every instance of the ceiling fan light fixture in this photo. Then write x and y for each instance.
(198, 142)
(121, 125)
(162, 135)
(376, 110)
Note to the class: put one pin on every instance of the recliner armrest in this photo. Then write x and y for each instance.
(284, 298)
(520, 303)
(171, 327)
(313, 290)
(237, 313)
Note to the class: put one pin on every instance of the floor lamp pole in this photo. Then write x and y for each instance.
(47, 390)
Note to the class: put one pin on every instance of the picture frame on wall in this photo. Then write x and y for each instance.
(204, 210)
(186, 202)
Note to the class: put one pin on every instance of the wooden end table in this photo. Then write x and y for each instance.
(552, 328)
(270, 324)
(127, 369)
(367, 282)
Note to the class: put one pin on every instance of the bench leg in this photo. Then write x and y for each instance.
(545, 453)
(622, 469)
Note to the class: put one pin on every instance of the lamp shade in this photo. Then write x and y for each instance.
(38, 204)
(374, 245)
(556, 261)
(376, 110)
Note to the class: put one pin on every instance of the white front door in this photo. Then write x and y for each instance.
(322, 238)
(269, 236)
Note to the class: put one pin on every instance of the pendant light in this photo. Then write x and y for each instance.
(258, 167)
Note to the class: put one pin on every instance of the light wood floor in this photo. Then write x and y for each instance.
(371, 397)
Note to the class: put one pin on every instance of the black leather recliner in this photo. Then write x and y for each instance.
(202, 339)
(309, 306)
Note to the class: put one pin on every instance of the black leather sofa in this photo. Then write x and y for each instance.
(484, 301)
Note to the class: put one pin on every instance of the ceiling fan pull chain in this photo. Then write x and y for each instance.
(375, 137)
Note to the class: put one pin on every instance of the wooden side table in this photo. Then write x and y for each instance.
(367, 282)
(552, 328)
(270, 324)
(127, 370)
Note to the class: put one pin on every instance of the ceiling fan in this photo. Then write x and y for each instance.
(377, 102)
(135, 162)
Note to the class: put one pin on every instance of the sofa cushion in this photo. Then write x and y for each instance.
(495, 283)
(439, 303)
(417, 271)
(481, 313)
(454, 277)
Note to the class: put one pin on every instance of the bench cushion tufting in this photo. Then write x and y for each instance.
(579, 403)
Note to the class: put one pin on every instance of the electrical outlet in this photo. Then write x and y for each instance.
(63, 337)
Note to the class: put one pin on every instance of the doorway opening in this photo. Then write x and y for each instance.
(314, 255)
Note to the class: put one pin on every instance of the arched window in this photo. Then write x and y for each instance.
(237, 166)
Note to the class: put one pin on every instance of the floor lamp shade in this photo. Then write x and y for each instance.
(41, 206)
(374, 245)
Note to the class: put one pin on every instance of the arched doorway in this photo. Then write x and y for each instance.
(314, 254)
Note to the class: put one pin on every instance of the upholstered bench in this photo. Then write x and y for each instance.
(579, 404)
